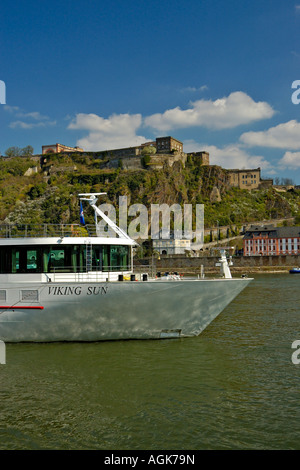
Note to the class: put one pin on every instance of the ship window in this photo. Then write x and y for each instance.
(67, 258)
(29, 295)
(119, 259)
(54, 259)
(111, 258)
(3, 295)
(23, 260)
(31, 264)
(105, 257)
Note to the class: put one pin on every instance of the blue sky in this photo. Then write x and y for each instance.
(215, 74)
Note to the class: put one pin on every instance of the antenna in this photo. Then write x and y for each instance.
(90, 194)
(91, 197)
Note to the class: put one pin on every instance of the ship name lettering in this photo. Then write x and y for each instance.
(57, 290)
(97, 290)
(70, 290)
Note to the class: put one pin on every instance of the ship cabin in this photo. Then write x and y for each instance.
(56, 250)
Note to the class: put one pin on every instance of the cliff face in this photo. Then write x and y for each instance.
(49, 193)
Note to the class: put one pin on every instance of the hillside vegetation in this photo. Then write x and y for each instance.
(49, 195)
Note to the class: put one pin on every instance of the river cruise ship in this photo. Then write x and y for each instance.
(66, 283)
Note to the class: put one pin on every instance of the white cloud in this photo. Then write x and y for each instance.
(230, 157)
(228, 112)
(296, 54)
(11, 109)
(193, 89)
(117, 131)
(34, 115)
(21, 114)
(285, 135)
(122, 130)
(30, 125)
(40, 120)
(290, 160)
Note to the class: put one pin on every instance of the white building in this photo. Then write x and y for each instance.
(171, 246)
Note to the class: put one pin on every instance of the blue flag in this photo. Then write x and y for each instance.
(81, 214)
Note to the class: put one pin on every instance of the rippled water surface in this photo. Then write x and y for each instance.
(233, 387)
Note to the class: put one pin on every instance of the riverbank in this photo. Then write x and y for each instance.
(207, 264)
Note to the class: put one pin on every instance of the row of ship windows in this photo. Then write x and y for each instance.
(66, 258)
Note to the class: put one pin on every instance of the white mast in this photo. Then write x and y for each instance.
(224, 264)
(92, 199)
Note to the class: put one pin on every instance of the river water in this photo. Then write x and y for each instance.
(233, 387)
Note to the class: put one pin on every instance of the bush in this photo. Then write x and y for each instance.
(37, 191)
(146, 160)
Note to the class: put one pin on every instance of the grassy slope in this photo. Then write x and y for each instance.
(51, 194)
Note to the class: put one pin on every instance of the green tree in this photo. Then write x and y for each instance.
(148, 150)
(13, 152)
(27, 151)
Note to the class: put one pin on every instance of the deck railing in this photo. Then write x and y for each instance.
(46, 230)
(83, 269)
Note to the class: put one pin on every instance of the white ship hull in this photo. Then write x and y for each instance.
(90, 311)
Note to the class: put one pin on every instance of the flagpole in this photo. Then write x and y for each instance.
(82, 221)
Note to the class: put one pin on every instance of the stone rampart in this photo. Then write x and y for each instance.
(242, 264)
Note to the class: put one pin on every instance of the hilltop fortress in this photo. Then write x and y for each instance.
(155, 154)
(164, 150)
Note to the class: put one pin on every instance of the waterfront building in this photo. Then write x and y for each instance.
(269, 240)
